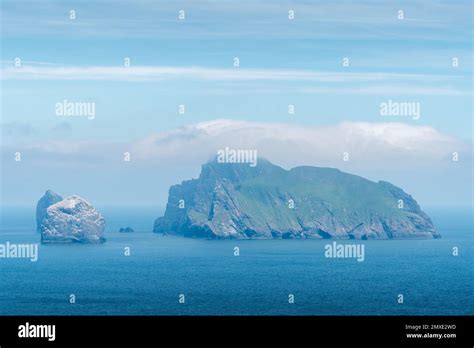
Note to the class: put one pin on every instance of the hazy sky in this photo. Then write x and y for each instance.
(190, 62)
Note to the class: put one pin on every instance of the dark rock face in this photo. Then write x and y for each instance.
(126, 229)
(266, 201)
(70, 220)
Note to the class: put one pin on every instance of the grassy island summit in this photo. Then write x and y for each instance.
(235, 200)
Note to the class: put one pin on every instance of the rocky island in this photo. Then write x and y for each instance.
(267, 201)
(49, 198)
(68, 220)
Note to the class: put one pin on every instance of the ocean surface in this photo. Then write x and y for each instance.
(215, 282)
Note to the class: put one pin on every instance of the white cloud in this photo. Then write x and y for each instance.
(416, 158)
(369, 144)
(393, 89)
(156, 73)
(312, 82)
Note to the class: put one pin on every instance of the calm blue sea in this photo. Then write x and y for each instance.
(215, 282)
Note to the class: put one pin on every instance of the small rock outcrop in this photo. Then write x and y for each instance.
(70, 220)
(126, 229)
